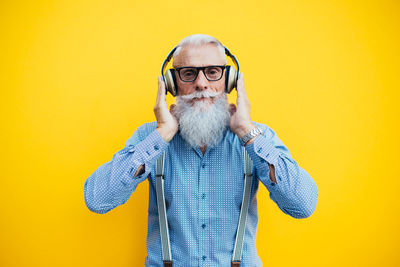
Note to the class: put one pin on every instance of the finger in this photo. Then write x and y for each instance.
(161, 90)
(240, 85)
(241, 92)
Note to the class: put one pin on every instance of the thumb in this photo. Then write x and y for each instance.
(172, 109)
(232, 109)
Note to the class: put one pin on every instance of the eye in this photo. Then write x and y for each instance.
(213, 71)
(188, 73)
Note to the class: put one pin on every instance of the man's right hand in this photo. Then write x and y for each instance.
(167, 124)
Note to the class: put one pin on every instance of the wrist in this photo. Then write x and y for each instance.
(166, 134)
(242, 131)
(250, 136)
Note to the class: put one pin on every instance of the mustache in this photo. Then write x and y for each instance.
(201, 94)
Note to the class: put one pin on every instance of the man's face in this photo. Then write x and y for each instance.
(200, 56)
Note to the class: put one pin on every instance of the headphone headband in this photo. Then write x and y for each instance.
(229, 54)
(167, 60)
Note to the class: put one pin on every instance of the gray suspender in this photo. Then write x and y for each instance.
(237, 251)
(162, 215)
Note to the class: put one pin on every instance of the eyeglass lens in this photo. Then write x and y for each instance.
(212, 73)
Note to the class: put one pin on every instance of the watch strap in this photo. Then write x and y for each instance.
(253, 133)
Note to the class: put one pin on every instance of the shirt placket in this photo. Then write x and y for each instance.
(204, 213)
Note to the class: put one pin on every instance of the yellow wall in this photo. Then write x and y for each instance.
(78, 77)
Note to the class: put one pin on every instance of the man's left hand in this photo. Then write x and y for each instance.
(240, 122)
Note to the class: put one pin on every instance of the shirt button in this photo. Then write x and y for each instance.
(155, 147)
(272, 184)
(132, 149)
(204, 258)
(203, 225)
(259, 150)
(203, 196)
(203, 165)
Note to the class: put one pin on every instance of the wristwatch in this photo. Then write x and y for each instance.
(253, 133)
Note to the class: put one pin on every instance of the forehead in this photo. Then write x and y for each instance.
(199, 56)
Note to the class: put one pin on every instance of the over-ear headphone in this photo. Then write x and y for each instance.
(231, 75)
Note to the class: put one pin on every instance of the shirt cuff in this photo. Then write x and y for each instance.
(262, 150)
(147, 152)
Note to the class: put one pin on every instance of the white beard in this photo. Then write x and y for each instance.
(203, 123)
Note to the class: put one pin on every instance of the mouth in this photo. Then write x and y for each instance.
(201, 98)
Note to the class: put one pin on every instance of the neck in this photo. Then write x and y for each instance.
(203, 149)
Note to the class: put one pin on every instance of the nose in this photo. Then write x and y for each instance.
(201, 81)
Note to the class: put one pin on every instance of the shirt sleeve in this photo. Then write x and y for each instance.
(112, 184)
(295, 192)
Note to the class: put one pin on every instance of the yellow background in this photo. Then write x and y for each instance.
(78, 78)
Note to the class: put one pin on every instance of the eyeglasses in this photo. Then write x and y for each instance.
(189, 74)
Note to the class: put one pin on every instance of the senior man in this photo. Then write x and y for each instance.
(202, 137)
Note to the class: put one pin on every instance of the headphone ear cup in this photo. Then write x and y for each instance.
(170, 82)
(230, 79)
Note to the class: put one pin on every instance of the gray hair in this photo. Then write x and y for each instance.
(197, 40)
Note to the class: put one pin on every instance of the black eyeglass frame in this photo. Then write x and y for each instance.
(198, 69)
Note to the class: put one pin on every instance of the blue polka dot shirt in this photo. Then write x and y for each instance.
(203, 193)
